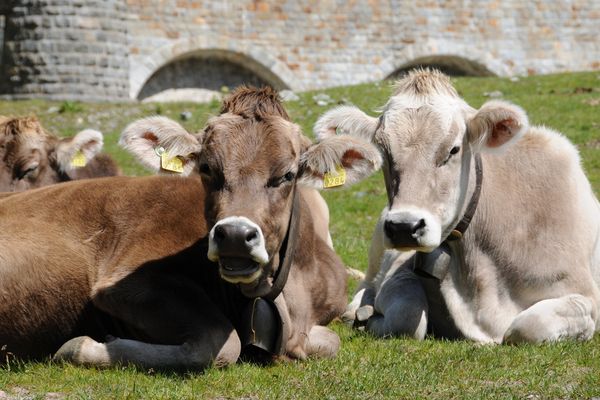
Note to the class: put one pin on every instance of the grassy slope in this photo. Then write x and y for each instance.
(365, 367)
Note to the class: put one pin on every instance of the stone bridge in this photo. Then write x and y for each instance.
(131, 49)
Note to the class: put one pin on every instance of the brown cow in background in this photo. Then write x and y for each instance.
(31, 157)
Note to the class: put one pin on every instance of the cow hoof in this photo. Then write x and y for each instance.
(364, 313)
(348, 317)
(71, 350)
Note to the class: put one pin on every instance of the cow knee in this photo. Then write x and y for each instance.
(83, 350)
(552, 320)
(229, 352)
(322, 342)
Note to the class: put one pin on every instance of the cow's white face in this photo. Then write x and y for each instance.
(428, 136)
(425, 150)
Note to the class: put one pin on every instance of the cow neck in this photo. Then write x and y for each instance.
(435, 264)
(460, 229)
(287, 251)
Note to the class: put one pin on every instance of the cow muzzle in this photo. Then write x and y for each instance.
(238, 245)
(411, 229)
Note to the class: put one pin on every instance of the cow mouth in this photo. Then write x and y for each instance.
(238, 269)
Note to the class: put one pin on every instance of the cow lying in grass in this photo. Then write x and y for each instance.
(31, 157)
(492, 231)
(128, 258)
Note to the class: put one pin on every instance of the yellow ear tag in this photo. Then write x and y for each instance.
(334, 178)
(174, 164)
(78, 160)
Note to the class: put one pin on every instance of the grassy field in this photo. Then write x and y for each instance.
(366, 368)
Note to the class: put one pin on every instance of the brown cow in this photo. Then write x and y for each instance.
(31, 157)
(127, 257)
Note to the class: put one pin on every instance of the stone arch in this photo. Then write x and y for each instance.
(253, 66)
(449, 64)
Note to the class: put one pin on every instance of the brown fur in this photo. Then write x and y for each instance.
(100, 166)
(250, 102)
(127, 257)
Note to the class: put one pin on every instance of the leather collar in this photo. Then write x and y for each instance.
(461, 227)
(286, 251)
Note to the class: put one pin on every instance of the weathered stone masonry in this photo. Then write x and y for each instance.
(121, 49)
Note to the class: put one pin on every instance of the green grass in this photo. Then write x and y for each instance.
(366, 368)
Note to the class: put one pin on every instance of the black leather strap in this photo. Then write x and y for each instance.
(286, 251)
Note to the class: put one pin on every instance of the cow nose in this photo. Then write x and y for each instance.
(236, 240)
(404, 233)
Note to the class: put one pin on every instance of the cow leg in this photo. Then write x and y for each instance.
(322, 342)
(365, 292)
(84, 350)
(164, 308)
(567, 317)
(364, 297)
(401, 307)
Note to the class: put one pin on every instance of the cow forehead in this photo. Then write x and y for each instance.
(25, 133)
(424, 122)
(251, 142)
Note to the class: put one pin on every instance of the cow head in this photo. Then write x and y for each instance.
(31, 157)
(428, 136)
(250, 159)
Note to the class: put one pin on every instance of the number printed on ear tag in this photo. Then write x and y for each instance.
(334, 178)
(78, 160)
(168, 163)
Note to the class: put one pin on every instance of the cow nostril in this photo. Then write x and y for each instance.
(219, 233)
(251, 235)
(419, 225)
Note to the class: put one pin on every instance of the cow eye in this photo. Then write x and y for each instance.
(276, 182)
(204, 169)
(27, 172)
(453, 151)
(289, 176)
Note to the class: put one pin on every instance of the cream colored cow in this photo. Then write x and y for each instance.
(491, 231)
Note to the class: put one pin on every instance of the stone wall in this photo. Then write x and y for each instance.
(66, 49)
(296, 44)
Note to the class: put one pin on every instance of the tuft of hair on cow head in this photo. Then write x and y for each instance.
(148, 138)
(87, 144)
(252, 102)
(24, 128)
(495, 125)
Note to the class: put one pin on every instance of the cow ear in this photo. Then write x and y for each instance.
(78, 150)
(148, 138)
(345, 120)
(337, 161)
(496, 124)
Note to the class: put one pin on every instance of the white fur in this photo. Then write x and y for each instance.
(325, 156)
(348, 120)
(493, 111)
(552, 320)
(429, 237)
(171, 136)
(505, 289)
(88, 141)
